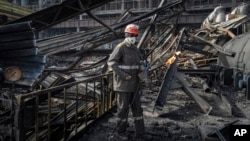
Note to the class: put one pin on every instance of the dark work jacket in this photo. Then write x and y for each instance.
(125, 61)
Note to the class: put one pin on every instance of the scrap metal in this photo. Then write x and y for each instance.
(74, 92)
(70, 103)
(169, 76)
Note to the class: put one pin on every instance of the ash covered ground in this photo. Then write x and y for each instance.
(181, 118)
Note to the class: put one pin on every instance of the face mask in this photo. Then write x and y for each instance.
(132, 40)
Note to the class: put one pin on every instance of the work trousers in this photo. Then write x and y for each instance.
(125, 100)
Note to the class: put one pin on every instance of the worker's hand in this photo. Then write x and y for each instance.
(177, 53)
(128, 77)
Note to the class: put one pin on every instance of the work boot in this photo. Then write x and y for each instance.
(144, 137)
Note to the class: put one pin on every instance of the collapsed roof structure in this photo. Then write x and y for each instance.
(61, 84)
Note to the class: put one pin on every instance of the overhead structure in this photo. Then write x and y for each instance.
(10, 12)
(58, 13)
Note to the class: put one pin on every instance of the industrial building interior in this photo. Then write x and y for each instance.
(55, 83)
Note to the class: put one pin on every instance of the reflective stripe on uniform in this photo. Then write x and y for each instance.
(128, 67)
(138, 118)
(111, 63)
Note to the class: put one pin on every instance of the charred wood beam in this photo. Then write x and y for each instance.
(196, 50)
(159, 57)
(220, 29)
(217, 47)
(200, 62)
(162, 40)
(204, 106)
(71, 70)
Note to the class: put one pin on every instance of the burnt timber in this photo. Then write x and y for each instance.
(69, 87)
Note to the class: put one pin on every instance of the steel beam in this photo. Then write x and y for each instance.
(58, 13)
(147, 30)
(204, 106)
(168, 77)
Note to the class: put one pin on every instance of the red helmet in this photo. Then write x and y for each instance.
(132, 28)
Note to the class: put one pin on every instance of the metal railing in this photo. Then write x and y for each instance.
(38, 117)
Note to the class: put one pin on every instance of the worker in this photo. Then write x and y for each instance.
(125, 63)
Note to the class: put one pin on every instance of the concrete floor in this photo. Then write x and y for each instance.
(181, 118)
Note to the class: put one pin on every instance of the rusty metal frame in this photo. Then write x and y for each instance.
(71, 115)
